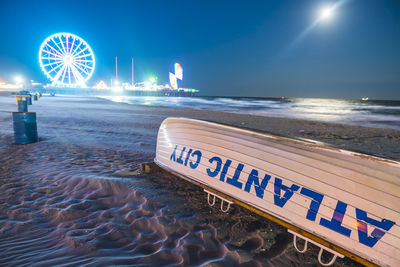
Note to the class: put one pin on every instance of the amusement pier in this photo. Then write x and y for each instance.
(68, 62)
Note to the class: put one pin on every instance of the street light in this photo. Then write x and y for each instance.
(19, 81)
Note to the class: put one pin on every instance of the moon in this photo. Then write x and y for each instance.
(326, 13)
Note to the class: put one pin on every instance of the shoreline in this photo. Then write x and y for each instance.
(378, 142)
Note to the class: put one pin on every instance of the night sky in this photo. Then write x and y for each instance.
(226, 48)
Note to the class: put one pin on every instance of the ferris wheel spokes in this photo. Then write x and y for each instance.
(80, 52)
(69, 74)
(57, 62)
(73, 53)
(77, 75)
(62, 44)
(66, 59)
(48, 52)
(57, 76)
(72, 46)
(59, 49)
(76, 66)
(66, 41)
(54, 50)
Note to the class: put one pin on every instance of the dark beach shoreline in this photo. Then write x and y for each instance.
(75, 196)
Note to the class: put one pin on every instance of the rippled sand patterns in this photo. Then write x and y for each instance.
(54, 210)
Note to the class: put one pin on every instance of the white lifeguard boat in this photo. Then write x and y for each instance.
(345, 202)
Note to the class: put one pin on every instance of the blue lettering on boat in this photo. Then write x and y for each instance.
(225, 170)
(335, 223)
(376, 234)
(278, 186)
(172, 157)
(187, 156)
(315, 202)
(217, 167)
(194, 165)
(234, 180)
(259, 188)
(179, 160)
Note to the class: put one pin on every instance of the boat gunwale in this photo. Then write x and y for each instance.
(390, 178)
(314, 144)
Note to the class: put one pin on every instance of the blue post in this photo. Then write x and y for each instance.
(22, 106)
(25, 128)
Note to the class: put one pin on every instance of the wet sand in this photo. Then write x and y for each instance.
(76, 197)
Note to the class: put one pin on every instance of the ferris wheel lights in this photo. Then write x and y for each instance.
(66, 59)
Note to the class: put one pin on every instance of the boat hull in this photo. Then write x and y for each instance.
(343, 200)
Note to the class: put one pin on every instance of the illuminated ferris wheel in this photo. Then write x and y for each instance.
(66, 59)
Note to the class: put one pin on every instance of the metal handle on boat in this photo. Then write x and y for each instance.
(208, 198)
(222, 205)
(223, 200)
(322, 248)
(295, 245)
(329, 263)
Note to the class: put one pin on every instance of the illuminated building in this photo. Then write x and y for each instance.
(101, 86)
(6, 86)
(173, 77)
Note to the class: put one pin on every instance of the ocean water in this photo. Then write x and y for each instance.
(371, 113)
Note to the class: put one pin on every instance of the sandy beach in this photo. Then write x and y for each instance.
(76, 197)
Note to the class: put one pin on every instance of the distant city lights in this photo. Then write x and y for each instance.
(69, 62)
(18, 79)
(4, 85)
(101, 86)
